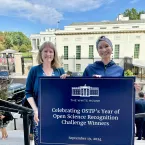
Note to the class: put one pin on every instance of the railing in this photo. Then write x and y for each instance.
(140, 115)
(9, 107)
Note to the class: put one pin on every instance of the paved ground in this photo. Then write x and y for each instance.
(15, 75)
(15, 137)
(19, 80)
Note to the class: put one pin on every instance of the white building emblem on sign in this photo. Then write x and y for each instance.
(85, 91)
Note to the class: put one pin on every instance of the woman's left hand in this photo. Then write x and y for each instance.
(2, 117)
(137, 87)
(64, 76)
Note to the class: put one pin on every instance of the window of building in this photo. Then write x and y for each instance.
(116, 51)
(135, 26)
(117, 37)
(43, 38)
(66, 67)
(138, 37)
(65, 52)
(90, 28)
(90, 38)
(78, 67)
(91, 51)
(65, 39)
(78, 39)
(78, 28)
(115, 27)
(103, 28)
(136, 50)
(78, 52)
(38, 43)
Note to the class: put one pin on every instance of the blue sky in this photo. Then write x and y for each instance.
(33, 16)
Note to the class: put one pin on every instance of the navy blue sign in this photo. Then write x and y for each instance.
(86, 111)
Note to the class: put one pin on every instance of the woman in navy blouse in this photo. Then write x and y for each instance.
(49, 65)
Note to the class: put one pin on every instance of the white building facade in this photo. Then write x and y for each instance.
(38, 39)
(76, 44)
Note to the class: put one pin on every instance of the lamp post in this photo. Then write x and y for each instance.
(112, 55)
(62, 59)
(58, 25)
(93, 58)
(7, 57)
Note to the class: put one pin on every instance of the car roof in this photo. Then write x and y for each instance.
(16, 86)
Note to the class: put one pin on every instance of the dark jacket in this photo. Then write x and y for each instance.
(140, 107)
(109, 70)
(32, 82)
(8, 116)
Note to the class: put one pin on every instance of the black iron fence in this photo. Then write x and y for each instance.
(140, 115)
(7, 64)
(27, 62)
(10, 107)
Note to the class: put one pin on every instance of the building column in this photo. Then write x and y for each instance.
(34, 55)
(74, 57)
(18, 63)
(33, 43)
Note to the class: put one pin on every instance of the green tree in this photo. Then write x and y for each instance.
(16, 47)
(8, 42)
(15, 40)
(1, 42)
(2, 47)
(133, 14)
(24, 48)
(1, 38)
(21, 41)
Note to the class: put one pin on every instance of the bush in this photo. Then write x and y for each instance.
(27, 54)
(128, 73)
(3, 94)
(4, 88)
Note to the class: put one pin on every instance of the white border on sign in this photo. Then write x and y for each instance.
(132, 140)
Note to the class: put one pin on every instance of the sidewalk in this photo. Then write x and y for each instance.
(16, 138)
(16, 75)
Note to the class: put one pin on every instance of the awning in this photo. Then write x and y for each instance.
(8, 51)
(139, 63)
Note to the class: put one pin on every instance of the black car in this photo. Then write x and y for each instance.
(16, 93)
(74, 74)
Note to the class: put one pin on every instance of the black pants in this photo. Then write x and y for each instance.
(31, 124)
(143, 134)
(139, 128)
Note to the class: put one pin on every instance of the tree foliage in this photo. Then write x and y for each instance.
(15, 40)
(133, 14)
(4, 88)
(1, 41)
(128, 73)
